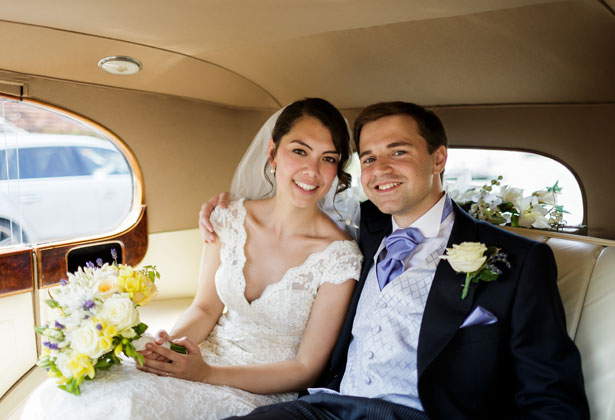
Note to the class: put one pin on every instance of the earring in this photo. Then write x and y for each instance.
(272, 170)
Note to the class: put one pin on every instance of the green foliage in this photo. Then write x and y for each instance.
(151, 272)
(52, 303)
(140, 329)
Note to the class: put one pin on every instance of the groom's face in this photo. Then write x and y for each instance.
(398, 173)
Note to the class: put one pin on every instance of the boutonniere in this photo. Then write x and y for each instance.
(477, 261)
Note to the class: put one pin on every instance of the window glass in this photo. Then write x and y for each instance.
(468, 168)
(103, 161)
(49, 162)
(60, 178)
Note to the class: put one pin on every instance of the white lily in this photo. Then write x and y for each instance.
(532, 214)
(511, 194)
(546, 197)
(462, 190)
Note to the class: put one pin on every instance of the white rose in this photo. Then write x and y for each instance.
(466, 257)
(85, 340)
(119, 311)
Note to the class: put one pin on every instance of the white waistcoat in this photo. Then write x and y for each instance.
(382, 355)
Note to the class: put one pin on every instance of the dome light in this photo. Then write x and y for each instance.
(120, 65)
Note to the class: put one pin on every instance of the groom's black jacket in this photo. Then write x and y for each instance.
(524, 366)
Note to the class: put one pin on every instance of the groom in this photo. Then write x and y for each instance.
(411, 346)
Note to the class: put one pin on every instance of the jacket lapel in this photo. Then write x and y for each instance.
(445, 310)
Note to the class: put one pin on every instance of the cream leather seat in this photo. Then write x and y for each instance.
(586, 281)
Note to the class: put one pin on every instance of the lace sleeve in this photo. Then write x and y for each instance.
(342, 263)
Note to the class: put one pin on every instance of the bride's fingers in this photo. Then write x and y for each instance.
(155, 371)
(223, 199)
(205, 227)
(163, 352)
(154, 356)
(188, 344)
(159, 366)
(161, 337)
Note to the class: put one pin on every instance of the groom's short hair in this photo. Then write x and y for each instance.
(430, 126)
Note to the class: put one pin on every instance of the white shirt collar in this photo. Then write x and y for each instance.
(428, 223)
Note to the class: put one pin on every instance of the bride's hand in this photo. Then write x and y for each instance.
(160, 338)
(205, 227)
(189, 366)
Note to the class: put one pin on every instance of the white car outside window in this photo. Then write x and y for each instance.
(59, 186)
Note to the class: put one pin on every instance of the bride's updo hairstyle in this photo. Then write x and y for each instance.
(331, 118)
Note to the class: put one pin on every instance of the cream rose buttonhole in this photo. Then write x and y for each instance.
(466, 257)
(477, 261)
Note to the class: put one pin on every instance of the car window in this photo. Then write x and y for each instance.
(61, 177)
(519, 177)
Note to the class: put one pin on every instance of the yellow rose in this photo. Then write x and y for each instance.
(466, 257)
(142, 298)
(131, 284)
(125, 271)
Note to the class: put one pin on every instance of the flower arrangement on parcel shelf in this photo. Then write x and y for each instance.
(95, 321)
(509, 206)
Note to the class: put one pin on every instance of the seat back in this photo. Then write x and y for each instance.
(586, 281)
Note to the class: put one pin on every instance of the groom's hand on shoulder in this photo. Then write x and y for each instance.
(205, 226)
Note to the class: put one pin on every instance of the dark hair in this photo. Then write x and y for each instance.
(331, 118)
(430, 126)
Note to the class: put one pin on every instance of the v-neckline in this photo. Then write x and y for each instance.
(242, 250)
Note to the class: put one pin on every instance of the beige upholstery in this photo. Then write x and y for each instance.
(595, 336)
(586, 279)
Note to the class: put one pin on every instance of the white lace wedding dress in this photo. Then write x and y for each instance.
(269, 329)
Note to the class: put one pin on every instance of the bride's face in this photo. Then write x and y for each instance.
(305, 161)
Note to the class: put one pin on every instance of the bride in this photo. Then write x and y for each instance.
(285, 273)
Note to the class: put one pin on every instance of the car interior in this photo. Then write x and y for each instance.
(536, 76)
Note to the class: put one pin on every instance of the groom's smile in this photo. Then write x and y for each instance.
(387, 187)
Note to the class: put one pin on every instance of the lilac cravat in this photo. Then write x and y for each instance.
(399, 245)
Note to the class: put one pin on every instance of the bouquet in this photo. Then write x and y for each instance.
(95, 321)
(509, 206)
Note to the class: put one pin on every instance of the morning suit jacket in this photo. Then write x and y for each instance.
(523, 366)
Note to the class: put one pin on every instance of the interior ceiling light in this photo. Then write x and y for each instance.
(118, 64)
